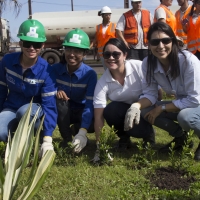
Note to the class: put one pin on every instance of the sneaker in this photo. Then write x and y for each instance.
(179, 143)
(150, 139)
(123, 144)
(197, 154)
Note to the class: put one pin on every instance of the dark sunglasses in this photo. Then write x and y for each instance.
(114, 54)
(156, 42)
(35, 45)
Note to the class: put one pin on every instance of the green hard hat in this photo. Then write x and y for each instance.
(77, 38)
(32, 30)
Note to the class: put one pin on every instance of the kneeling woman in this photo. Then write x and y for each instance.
(177, 72)
(76, 83)
(121, 83)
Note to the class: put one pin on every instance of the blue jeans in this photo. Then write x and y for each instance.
(9, 119)
(188, 118)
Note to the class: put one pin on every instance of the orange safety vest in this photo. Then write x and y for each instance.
(103, 38)
(193, 35)
(131, 27)
(170, 17)
(179, 28)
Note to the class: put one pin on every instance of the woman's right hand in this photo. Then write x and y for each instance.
(62, 95)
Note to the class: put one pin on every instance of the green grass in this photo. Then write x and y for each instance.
(76, 178)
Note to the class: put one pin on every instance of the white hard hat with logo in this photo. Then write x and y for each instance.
(105, 9)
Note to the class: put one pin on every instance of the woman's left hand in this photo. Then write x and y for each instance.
(151, 115)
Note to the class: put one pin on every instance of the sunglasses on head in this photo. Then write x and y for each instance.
(156, 42)
(114, 54)
(35, 45)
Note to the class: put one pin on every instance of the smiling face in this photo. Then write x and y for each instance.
(161, 51)
(30, 53)
(111, 62)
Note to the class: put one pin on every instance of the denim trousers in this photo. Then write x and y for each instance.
(114, 114)
(9, 119)
(174, 123)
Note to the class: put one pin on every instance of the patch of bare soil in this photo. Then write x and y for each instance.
(171, 179)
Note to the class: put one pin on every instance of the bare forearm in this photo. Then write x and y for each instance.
(98, 122)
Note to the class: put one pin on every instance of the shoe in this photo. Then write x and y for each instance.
(150, 139)
(197, 154)
(123, 144)
(179, 143)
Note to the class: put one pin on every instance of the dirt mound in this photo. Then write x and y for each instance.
(171, 179)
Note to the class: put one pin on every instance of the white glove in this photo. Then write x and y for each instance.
(46, 145)
(132, 114)
(80, 140)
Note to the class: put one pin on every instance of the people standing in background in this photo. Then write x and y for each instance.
(163, 14)
(184, 10)
(191, 26)
(132, 28)
(76, 83)
(104, 32)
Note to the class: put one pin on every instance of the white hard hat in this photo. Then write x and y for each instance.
(105, 9)
(135, 0)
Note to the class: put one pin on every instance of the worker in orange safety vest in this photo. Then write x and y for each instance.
(132, 28)
(104, 31)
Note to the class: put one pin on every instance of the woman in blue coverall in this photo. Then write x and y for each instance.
(76, 83)
(25, 75)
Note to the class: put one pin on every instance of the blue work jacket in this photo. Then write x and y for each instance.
(79, 87)
(37, 82)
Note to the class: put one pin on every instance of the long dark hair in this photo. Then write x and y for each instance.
(118, 43)
(173, 56)
(192, 9)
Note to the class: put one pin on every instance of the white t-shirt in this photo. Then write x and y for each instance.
(121, 26)
(109, 88)
(160, 13)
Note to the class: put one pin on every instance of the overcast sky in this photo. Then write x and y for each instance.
(65, 5)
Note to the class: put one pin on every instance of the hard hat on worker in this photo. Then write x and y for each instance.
(105, 9)
(77, 38)
(32, 30)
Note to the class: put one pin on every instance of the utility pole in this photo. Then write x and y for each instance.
(29, 9)
(72, 5)
(126, 3)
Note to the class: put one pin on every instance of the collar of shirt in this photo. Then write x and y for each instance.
(106, 24)
(160, 69)
(128, 68)
(35, 68)
(64, 69)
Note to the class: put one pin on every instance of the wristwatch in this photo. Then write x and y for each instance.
(163, 107)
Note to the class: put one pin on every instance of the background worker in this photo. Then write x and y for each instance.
(25, 76)
(132, 28)
(184, 10)
(76, 83)
(191, 26)
(104, 31)
(163, 14)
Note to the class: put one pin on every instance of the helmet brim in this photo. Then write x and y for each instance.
(31, 39)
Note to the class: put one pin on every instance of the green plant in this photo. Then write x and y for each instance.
(17, 157)
(107, 137)
(184, 159)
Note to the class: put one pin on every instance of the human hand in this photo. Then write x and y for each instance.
(132, 115)
(46, 145)
(80, 140)
(62, 95)
(151, 115)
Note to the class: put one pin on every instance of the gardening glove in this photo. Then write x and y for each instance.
(132, 114)
(80, 140)
(46, 145)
